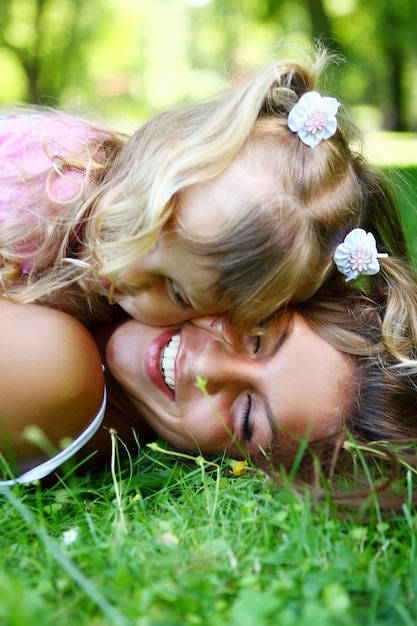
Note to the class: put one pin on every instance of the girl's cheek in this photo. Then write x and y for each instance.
(159, 313)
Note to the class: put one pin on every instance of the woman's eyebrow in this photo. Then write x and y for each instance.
(268, 409)
(271, 420)
(283, 337)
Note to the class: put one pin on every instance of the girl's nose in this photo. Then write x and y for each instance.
(218, 327)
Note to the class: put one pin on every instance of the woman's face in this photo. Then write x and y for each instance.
(289, 379)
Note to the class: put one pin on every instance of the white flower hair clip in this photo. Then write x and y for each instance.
(358, 254)
(313, 118)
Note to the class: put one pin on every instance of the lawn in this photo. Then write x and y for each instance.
(396, 154)
(406, 181)
(165, 541)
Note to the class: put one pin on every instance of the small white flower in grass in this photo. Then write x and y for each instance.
(358, 254)
(69, 536)
(232, 559)
(313, 118)
(168, 539)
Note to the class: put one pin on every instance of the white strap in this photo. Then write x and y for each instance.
(50, 465)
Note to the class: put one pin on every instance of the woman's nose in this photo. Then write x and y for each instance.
(221, 367)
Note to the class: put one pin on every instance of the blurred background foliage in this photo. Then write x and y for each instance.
(128, 59)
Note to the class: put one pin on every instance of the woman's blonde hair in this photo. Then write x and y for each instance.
(297, 205)
(376, 327)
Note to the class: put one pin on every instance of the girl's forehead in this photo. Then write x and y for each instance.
(213, 206)
(200, 211)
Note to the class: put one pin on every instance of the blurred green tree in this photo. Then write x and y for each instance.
(47, 39)
(395, 33)
(379, 40)
(132, 58)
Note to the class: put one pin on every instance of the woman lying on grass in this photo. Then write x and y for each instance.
(316, 368)
(345, 359)
(339, 361)
(55, 382)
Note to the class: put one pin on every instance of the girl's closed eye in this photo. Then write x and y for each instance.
(177, 294)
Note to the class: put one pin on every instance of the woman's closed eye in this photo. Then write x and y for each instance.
(246, 421)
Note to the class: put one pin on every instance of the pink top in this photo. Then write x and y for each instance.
(29, 143)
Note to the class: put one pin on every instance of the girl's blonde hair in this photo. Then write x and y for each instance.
(297, 205)
(41, 237)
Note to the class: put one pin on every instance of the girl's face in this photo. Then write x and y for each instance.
(169, 285)
(289, 379)
(172, 284)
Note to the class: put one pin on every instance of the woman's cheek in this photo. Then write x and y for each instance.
(119, 357)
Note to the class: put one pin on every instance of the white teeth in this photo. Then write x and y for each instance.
(169, 354)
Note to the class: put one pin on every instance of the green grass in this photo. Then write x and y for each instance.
(172, 543)
(405, 184)
(396, 153)
(161, 542)
(391, 149)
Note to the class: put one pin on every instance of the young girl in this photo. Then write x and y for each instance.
(232, 204)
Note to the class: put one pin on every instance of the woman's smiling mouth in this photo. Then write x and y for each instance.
(160, 357)
(167, 361)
